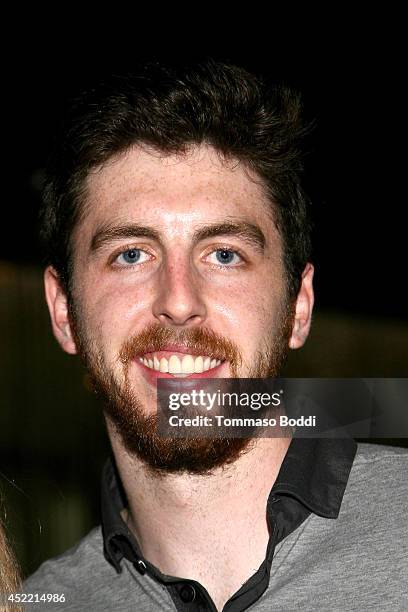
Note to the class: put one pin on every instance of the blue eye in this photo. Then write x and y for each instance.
(132, 256)
(225, 257)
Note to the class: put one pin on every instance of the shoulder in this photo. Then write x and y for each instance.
(368, 542)
(355, 561)
(381, 467)
(78, 574)
(367, 453)
(77, 563)
(378, 484)
(378, 462)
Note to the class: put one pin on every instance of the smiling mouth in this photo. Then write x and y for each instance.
(179, 365)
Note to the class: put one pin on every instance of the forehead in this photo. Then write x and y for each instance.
(195, 187)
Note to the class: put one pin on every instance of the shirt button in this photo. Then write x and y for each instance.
(187, 593)
(141, 566)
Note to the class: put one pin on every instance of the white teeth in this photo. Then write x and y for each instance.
(198, 365)
(174, 365)
(189, 364)
(164, 366)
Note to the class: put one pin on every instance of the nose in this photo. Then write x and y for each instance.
(180, 299)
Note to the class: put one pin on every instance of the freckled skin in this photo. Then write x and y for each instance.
(179, 285)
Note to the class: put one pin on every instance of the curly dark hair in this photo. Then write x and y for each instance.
(172, 108)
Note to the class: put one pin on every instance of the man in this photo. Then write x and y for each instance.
(179, 246)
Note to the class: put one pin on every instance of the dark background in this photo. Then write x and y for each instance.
(354, 94)
(52, 441)
(352, 166)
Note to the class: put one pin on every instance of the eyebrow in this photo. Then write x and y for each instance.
(108, 234)
(249, 232)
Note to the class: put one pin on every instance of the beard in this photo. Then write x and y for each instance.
(138, 430)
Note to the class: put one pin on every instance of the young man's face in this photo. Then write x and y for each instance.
(178, 271)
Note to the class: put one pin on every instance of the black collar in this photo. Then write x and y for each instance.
(315, 472)
(313, 476)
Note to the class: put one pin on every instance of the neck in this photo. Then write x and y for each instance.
(182, 521)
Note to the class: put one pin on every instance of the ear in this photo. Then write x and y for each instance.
(58, 307)
(303, 310)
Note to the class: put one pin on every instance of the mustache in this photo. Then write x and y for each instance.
(200, 340)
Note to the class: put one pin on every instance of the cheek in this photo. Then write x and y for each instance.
(113, 313)
(246, 310)
(230, 304)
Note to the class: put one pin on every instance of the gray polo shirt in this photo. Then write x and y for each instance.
(339, 541)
